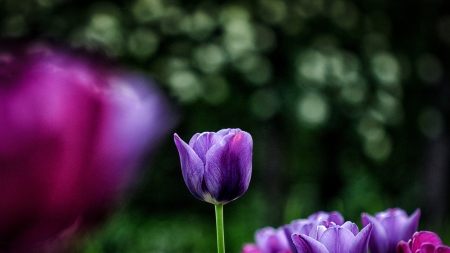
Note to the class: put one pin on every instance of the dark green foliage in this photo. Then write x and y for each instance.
(347, 103)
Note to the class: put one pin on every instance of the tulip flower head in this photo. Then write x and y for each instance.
(389, 228)
(216, 167)
(423, 242)
(271, 240)
(72, 130)
(304, 226)
(332, 238)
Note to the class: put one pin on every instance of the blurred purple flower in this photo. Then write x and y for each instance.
(423, 242)
(270, 240)
(250, 248)
(389, 228)
(72, 129)
(217, 167)
(332, 238)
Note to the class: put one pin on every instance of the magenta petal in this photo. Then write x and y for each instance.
(378, 242)
(304, 243)
(403, 247)
(337, 240)
(424, 237)
(229, 166)
(192, 168)
(443, 249)
(361, 241)
(427, 248)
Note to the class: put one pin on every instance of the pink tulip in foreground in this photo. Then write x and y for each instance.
(73, 128)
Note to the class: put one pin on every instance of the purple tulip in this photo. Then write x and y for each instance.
(271, 240)
(423, 242)
(304, 226)
(332, 238)
(389, 228)
(72, 129)
(217, 167)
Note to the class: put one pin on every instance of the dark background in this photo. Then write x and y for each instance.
(347, 103)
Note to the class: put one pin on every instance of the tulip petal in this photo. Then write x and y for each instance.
(336, 217)
(304, 243)
(271, 240)
(301, 226)
(361, 241)
(193, 139)
(394, 222)
(288, 233)
(229, 166)
(378, 242)
(443, 249)
(337, 239)
(427, 248)
(403, 247)
(411, 226)
(317, 231)
(192, 168)
(351, 226)
(227, 131)
(425, 237)
(203, 143)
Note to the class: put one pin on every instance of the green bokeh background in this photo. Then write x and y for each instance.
(347, 103)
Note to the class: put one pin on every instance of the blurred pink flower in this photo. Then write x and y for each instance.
(250, 248)
(423, 242)
(73, 128)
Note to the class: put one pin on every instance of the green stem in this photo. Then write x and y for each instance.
(219, 228)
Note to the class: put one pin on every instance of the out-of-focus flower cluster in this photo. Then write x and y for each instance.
(387, 232)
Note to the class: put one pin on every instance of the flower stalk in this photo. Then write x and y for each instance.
(219, 228)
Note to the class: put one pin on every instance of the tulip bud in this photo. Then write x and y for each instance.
(217, 167)
(389, 228)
